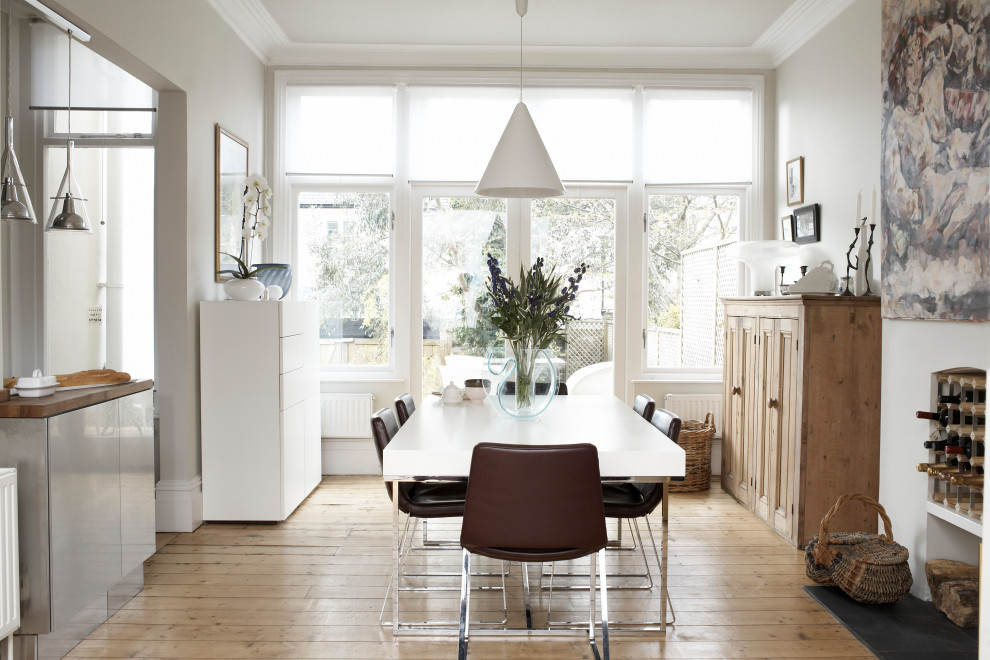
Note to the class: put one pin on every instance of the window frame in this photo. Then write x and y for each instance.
(353, 372)
(713, 373)
(629, 360)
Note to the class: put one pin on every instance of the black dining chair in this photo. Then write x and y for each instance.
(404, 407)
(419, 500)
(629, 502)
(534, 503)
(645, 406)
(541, 388)
(416, 500)
(634, 501)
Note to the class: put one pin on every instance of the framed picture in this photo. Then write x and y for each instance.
(787, 228)
(231, 163)
(795, 181)
(807, 226)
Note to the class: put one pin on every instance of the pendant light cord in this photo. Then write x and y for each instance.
(68, 105)
(520, 58)
(10, 13)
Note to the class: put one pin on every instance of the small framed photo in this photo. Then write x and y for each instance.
(795, 181)
(787, 228)
(807, 225)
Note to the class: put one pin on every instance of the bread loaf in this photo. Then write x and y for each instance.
(9, 383)
(92, 377)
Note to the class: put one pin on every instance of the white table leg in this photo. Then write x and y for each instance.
(663, 557)
(395, 557)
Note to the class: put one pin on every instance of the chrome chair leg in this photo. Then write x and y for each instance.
(462, 633)
(526, 601)
(663, 571)
(604, 592)
(615, 545)
(592, 571)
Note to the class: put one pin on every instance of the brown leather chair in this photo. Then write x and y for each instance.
(404, 407)
(534, 503)
(645, 406)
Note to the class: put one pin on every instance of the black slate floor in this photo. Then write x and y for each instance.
(909, 630)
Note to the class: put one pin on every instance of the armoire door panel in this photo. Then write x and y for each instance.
(786, 341)
(739, 343)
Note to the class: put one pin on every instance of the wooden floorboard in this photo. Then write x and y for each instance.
(312, 587)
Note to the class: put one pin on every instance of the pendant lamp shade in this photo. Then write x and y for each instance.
(69, 210)
(16, 201)
(520, 165)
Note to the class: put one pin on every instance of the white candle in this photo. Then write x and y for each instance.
(859, 206)
(873, 208)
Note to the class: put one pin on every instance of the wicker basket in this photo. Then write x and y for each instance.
(869, 568)
(696, 440)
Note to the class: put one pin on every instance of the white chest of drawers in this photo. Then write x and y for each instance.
(260, 419)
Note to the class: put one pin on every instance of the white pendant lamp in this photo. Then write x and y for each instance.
(69, 210)
(520, 166)
(15, 201)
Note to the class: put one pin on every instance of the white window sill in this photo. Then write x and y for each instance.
(672, 377)
(352, 377)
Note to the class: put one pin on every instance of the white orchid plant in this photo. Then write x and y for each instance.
(255, 223)
(257, 200)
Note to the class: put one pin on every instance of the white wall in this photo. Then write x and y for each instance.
(829, 110)
(204, 74)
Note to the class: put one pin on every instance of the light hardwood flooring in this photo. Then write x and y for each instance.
(312, 587)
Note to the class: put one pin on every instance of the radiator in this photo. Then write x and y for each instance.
(10, 586)
(695, 406)
(346, 415)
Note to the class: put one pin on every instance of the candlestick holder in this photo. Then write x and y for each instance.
(849, 264)
(869, 257)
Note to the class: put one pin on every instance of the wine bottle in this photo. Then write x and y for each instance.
(944, 416)
(950, 398)
(936, 445)
(954, 449)
(967, 480)
(927, 467)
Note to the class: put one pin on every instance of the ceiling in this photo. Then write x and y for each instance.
(556, 33)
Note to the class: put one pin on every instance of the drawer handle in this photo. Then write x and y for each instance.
(771, 403)
(736, 389)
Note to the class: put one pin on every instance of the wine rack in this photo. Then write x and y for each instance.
(956, 447)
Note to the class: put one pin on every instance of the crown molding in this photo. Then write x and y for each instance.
(258, 29)
(255, 26)
(799, 23)
(384, 55)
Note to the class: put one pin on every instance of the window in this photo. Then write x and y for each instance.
(99, 288)
(567, 232)
(343, 264)
(458, 235)
(340, 130)
(699, 156)
(688, 271)
(698, 136)
(407, 297)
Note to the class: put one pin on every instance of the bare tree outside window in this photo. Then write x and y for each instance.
(686, 234)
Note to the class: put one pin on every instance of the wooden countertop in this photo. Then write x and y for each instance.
(65, 401)
(814, 298)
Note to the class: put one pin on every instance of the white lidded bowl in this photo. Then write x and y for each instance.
(475, 393)
(36, 385)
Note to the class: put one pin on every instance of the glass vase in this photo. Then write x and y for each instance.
(528, 380)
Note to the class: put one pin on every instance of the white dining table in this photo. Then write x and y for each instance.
(437, 441)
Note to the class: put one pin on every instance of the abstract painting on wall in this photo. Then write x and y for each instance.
(935, 169)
